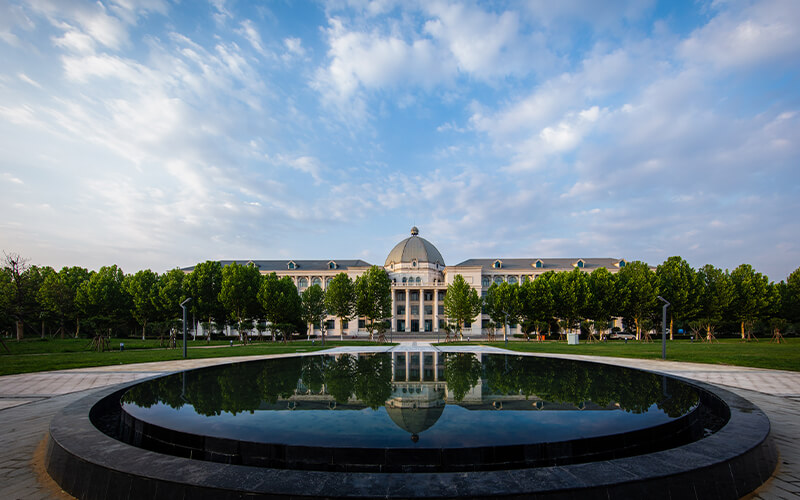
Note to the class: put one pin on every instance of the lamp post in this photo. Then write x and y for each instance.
(664, 327)
(183, 306)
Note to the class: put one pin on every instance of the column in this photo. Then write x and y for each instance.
(422, 310)
(435, 310)
(394, 313)
(408, 363)
(408, 310)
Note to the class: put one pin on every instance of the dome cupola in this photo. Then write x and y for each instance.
(414, 251)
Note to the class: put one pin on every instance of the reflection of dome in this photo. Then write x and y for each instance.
(416, 249)
(415, 420)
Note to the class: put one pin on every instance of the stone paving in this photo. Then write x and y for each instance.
(29, 401)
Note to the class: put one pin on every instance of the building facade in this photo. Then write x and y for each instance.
(420, 278)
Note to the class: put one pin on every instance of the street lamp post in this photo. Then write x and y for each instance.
(183, 306)
(664, 327)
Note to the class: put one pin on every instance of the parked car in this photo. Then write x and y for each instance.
(622, 335)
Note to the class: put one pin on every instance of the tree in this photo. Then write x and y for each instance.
(313, 307)
(57, 294)
(143, 290)
(203, 285)
(637, 288)
(716, 294)
(373, 291)
(340, 299)
(751, 298)
(502, 304)
(790, 297)
(103, 299)
(239, 293)
(170, 294)
(570, 294)
(536, 302)
(678, 284)
(282, 305)
(461, 303)
(603, 302)
(22, 297)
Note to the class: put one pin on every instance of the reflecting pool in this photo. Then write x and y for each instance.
(412, 411)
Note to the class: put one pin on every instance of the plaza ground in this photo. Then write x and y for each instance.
(29, 401)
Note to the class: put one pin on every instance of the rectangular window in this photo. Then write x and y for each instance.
(414, 295)
(401, 325)
(330, 324)
(428, 310)
(345, 325)
(441, 324)
(467, 324)
(362, 324)
(485, 323)
(428, 295)
(401, 295)
(440, 311)
(415, 310)
(401, 310)
(441, 294)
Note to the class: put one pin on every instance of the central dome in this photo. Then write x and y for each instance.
(414, 248)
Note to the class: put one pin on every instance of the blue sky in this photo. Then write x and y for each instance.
(157, 133)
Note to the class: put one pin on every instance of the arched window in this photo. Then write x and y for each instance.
(302, 283)
(328, 282)
(405, 280)
(498, 279)
(418, 280)
(512, 280)
(486, 281)
(316, 281)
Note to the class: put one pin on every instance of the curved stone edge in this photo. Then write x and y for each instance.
(729, 464)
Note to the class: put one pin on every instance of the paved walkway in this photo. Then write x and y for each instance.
(29, 401)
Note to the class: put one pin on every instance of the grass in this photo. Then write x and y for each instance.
(34, 355)
(762, 354)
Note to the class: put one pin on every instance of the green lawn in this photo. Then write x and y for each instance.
(762, 354)
(34, 355)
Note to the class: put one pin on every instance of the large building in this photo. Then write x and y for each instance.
(419, 281)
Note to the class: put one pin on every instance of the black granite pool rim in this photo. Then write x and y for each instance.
(728, 464)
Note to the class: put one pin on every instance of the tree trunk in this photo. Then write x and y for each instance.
(742, 326)
(671, 321)
(144, 325)
(77, 327)
(20, 330)
(42, 328)
(638, 329)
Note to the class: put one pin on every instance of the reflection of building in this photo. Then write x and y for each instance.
(420, 278)
(419, 393)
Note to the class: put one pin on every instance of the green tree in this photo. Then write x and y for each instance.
(170, 294)
(789, 292)
(637, 288)
(751, 299)
(142, 288)
(678, 284)
(603, 302)
(103, 299)
(239, 293)
(536, 306)
(22, 296)
(58, 292)
(313, 308)
(570, 294)
(203, 285)
(715, 297)
(461, 303)
(502, 304)
(281, 304)
(340, 299)
(373, 291)
(462, 371)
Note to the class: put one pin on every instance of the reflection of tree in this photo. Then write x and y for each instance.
(462, 371)
(312, 374)
(373, 379)
(339, 377)
(279, 378)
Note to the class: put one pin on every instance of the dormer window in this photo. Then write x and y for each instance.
(621, 263)
(291, 265)
(580, 264)
(332, 265)
(497, 264)
(538, 264)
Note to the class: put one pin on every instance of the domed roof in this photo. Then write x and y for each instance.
(414, 247)
(415, 420)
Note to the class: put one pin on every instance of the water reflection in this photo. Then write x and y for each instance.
(414, 387)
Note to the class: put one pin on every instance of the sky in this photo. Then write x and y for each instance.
(161, 133)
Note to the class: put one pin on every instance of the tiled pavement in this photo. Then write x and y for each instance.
(28, 402)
